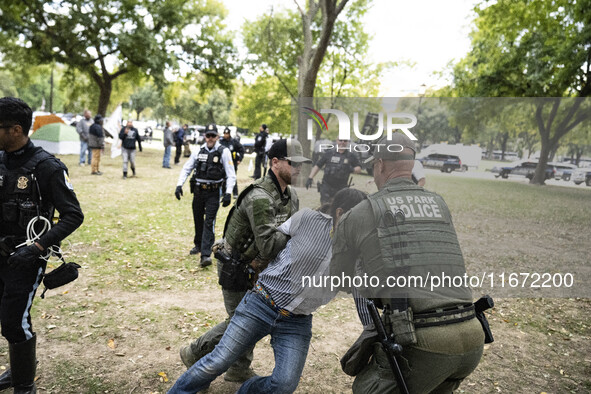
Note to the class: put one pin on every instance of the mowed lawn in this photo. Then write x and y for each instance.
(141, 295)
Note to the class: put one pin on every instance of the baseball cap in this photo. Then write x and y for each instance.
(211, 129)
(264, 126)
(226, 130)
(288, 149)
(384, 150)
(98, 118)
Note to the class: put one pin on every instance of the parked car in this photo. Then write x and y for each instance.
(563, 170)
(524, 168)
(443, 162)
(581, 175)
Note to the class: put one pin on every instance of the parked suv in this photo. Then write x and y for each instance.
(564, 171)
(581, 175)
(526, 169)
(445, 163)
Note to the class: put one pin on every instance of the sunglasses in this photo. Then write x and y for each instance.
(210, 135)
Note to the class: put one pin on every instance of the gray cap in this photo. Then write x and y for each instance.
(392, 150)
(289, 149)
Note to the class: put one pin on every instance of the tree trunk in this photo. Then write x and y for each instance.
(504, 139)
(540, 174)
(105, 89)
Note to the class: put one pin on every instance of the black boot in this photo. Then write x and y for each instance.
(124, 174)
(23, 365)
(133, 170)
(6, 380)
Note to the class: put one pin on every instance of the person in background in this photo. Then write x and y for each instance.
(237, 151)
(129, 135)
(418, 174)
(168, 141)
(82, 127)
(260, 149)
(179, 140)
(96, 142)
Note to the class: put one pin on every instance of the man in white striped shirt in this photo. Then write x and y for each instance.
(278, 305)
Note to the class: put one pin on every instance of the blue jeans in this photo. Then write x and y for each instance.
(166, 158)
(254, 319)
(83, 150)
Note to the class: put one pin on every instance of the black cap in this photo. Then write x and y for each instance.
(98, 118)
(264, 126)
(227, 130)
(289, 149)
(211, 129)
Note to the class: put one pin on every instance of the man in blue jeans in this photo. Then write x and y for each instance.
(279, 305)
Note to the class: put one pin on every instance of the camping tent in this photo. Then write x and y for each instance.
(43, 120)
(57, 138)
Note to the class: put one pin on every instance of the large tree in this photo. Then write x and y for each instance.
(106, 39)
(533, 48)
(318, 47)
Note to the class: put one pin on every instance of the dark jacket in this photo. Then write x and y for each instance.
(236, 148)
(96, 136)
(129, 139)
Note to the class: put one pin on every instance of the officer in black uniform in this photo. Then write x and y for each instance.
(237, 151)
(338, 165)
(211, 165)
(260, 149)
(33, 184)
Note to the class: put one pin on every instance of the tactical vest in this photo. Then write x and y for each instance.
(230, 145)
(416, 237)
(209, 165)
(238, 231)
(20, 196)
(337, 170)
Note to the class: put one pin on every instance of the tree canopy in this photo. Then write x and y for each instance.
(105, 39)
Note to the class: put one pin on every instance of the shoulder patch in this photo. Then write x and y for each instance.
(67, 180)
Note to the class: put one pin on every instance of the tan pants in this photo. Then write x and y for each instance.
(96, 160)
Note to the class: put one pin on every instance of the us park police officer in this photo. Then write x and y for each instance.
(237, 151)
(405, 231)
(33, 184)
(210, 166)
(338, 165)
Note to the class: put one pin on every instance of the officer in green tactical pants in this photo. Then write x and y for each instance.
(251, 233)
(404, 231)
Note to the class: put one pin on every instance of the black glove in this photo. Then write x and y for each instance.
(178, 192)
(25, 257)
(309, 183)
(226, 199)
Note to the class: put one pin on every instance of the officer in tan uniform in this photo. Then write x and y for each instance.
(402, 231)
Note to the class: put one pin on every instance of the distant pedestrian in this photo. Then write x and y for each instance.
(237, 151)
(128, 136)
(82, 127)
(96, 142)
(168, 141)
(179, 140)
(260, 149)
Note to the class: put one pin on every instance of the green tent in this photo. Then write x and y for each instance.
(57, 138)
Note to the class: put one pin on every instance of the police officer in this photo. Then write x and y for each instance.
(211, 165)
(260, 149)
(33, 184)
(338, 165)
(251, 232)
(237, 151)
(405, 231)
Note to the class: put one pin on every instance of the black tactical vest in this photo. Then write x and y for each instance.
(337, 170)
(209, 164)
(20, 196)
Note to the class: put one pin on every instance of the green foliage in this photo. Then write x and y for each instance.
(105, 39)
(146, 96)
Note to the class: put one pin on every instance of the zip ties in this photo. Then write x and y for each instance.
(32, 235)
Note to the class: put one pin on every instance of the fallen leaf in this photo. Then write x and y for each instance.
(111, 344)
(163, 377)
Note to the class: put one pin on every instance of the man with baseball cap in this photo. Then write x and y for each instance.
(213, 170)
(251, 234)
(406, 231)
(237, 151)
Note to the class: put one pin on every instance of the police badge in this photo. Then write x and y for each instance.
(216, 159)
(22, 182)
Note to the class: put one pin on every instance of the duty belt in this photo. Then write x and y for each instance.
(444, 317)
(269, 300)
(209, 186)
